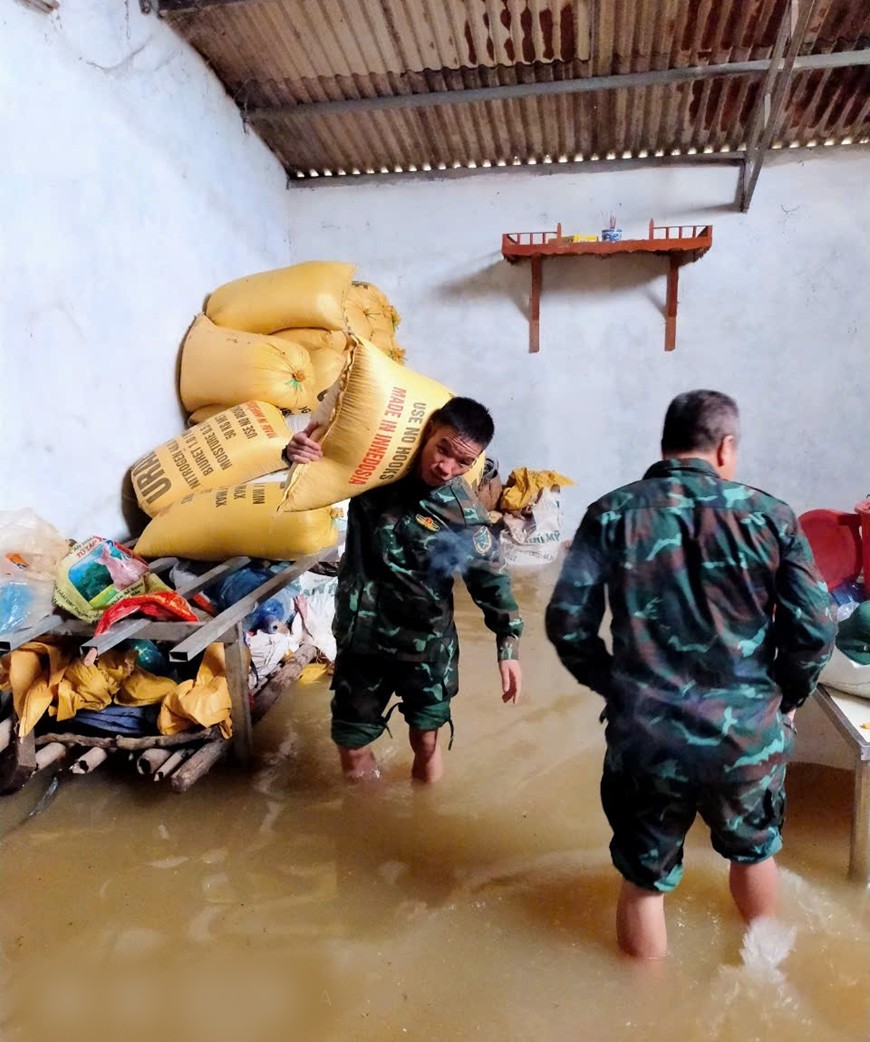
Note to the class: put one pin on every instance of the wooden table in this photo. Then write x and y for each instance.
(848, 714)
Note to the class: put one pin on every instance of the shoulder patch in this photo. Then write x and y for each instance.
(428, 522)
(482, 540)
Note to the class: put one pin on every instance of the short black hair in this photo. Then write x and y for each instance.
(468, 418)
(697, 421)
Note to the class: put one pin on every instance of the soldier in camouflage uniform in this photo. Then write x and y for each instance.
(720, 627)
(394, 606)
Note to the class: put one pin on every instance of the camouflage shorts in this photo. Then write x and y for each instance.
(364, 684)
(651, 811)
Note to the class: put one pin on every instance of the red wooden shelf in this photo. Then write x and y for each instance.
(679, 242)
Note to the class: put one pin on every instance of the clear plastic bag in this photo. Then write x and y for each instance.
(30, 549)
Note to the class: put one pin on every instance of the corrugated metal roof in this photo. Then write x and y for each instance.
(280, 53)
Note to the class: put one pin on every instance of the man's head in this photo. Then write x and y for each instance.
(703, 424)
(454, 437)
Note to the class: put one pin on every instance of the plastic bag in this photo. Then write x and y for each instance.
(534, 538)
(30, 549)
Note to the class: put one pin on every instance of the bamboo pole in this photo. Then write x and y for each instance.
(151, 761)
(89, 761)
(171, 764)
(49, 754)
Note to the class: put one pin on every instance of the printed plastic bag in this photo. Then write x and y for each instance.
(534, 538)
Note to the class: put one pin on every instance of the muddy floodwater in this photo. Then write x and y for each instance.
(280, 905)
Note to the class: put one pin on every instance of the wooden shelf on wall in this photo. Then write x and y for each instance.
(680, 243)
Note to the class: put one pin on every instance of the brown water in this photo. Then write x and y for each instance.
(282, 906)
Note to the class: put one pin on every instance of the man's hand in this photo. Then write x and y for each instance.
(303, 448)
(511, 680)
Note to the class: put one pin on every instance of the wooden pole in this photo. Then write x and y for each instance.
(199, 764)
(237, 680)
(278, 683)
(535, 307)
(671, 308)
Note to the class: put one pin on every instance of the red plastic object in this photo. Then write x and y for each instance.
(835, 538)
(166, 604)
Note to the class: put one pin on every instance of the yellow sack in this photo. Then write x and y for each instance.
(524, 486)
(244, 519)
(235, 445)
(328, 367)
(356, 320)
(204, 701)
(370, 427)
(376, 305)
(226, 366)
(204, 413)
(315, 339)
(304, 295)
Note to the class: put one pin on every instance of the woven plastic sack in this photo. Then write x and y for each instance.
(233, 446)
(226, 366)
(304, 295)
(370, 426)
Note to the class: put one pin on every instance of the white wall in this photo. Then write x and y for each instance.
(128, 190)
(775, 314)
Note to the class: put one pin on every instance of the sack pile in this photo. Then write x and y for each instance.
(267, 350)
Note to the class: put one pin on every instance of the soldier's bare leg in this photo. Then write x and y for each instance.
(640, 922)
(755, 888)
(428, 766)
(358, 764)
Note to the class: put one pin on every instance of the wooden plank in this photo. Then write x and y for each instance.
(859, 840)
(223, 624)
(535, 307)
(17, 763)
(671, 306)
(237, 680)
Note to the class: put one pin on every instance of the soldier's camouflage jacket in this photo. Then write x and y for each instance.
(717, 611)
(405, 541)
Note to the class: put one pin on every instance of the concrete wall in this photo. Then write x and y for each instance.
(128, 190)
(775, 314)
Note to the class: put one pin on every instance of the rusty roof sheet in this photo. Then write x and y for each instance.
(286, 53)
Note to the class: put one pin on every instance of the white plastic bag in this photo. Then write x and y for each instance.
(30, 549)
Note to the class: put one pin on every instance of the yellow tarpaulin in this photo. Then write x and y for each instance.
(524, 486)
(45, 677)
(204, 701)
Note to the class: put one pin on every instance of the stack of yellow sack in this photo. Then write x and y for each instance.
(205, 504)
(281, 337)
(267, 345)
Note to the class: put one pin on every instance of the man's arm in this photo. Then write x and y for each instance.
(576, 608)
(490, 589)
(803, 625)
